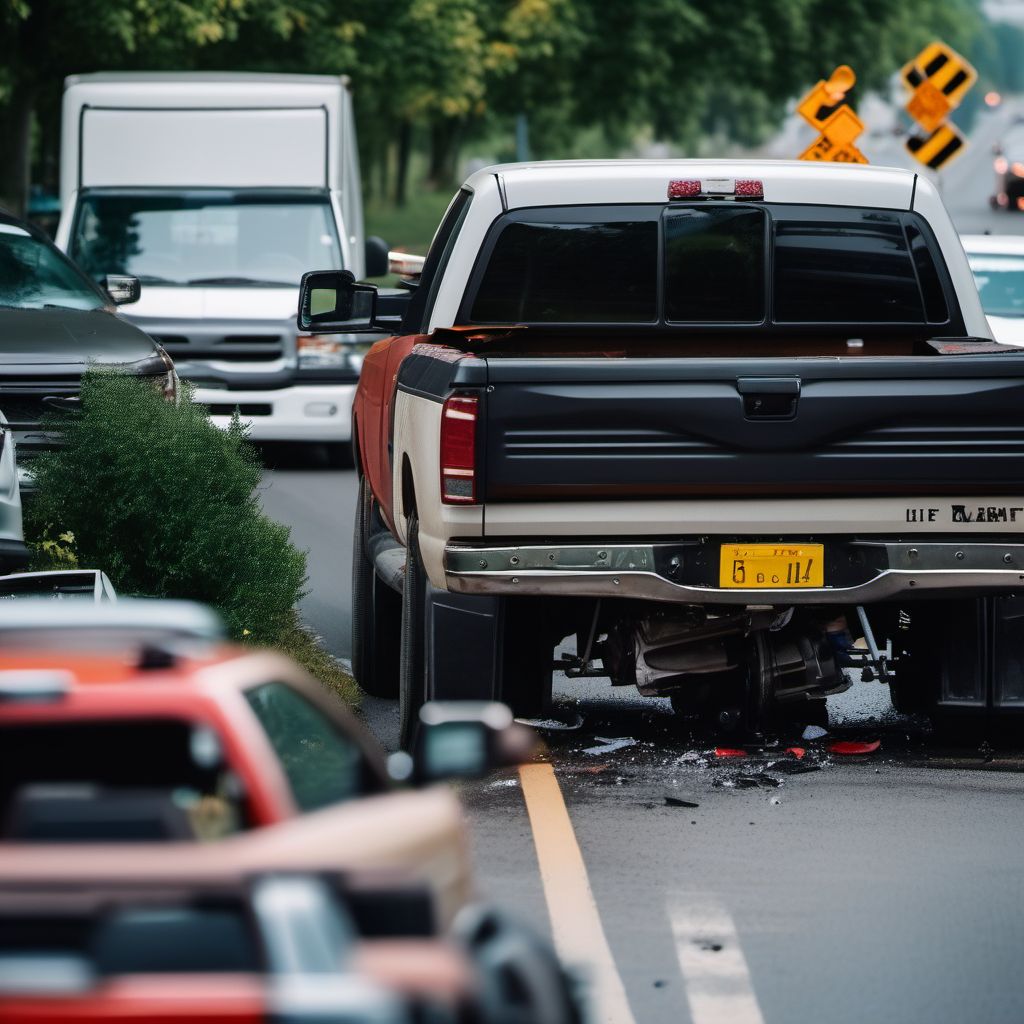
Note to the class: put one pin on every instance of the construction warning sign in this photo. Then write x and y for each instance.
(938, 78)
(825, 109)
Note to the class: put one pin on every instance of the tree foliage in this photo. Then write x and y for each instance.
(435, 74)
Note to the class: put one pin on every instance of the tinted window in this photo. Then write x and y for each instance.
(34, 274)
(570, 270)
(714, 264)
(323, 765)
(927, 277)
(844, 266)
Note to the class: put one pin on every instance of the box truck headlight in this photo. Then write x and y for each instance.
(327, 351)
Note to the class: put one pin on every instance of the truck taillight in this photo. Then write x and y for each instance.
(716, 188)
(458, 450)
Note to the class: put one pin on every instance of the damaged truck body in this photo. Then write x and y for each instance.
(709, 420)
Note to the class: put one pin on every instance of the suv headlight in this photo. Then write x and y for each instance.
(159, 367)
(328, 352)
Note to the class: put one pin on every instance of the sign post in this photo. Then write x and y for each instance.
(938, 78)
(824, 109)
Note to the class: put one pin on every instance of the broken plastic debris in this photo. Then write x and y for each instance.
(678, 801)
(797, 752)
(814, 732)
(852, 748)
(729, 752)
(608, 745)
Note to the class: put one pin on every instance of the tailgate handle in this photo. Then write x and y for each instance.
(769, 398)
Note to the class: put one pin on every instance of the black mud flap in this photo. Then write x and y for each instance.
(980, 655)
(464, 646)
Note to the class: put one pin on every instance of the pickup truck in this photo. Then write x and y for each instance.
(714, 420)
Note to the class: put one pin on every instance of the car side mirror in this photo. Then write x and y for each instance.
(122, 289)
(463, 740)
(330, 302)
(376, 256)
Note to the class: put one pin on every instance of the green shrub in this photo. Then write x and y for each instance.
(164, 502)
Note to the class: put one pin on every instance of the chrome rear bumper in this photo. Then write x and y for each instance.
(858, 571)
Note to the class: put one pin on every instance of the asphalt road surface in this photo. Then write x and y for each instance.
(682, 886)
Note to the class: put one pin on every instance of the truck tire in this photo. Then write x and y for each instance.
(412, 669)
(376, 612)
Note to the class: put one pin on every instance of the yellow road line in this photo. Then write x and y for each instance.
(575, 922)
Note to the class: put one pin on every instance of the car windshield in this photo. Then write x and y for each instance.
(34, 275)
(211, 237)
(1000, 281)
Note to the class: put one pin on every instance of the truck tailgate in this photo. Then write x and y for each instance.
(592, 428)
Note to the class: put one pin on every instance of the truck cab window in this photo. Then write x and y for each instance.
(844, 265)
(714, 264)
(206, 237)
(562, 269)
(323, 766)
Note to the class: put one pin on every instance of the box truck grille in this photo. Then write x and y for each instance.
(230, 348)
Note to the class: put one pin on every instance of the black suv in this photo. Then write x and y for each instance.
(54, 323)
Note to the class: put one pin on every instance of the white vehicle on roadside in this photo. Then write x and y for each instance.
(217, 191)
(13, 553)
(997, 262)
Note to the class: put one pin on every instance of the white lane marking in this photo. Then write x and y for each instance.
(575, 922)
(718, 983)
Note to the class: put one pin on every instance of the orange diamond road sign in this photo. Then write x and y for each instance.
(825, 109)
(938, 78)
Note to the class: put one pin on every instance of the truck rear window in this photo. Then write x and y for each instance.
(571, 271)
(722, 263)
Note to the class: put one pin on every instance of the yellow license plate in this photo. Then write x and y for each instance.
(772, 566)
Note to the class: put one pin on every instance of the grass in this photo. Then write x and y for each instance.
(302, 645)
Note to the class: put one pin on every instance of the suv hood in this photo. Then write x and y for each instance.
(70, 336)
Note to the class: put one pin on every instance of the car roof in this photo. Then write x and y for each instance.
(572, 182)
(1009, 245)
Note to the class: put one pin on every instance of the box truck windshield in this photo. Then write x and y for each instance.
(206, 237)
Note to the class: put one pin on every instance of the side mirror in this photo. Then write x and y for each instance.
(122, 289)
(330, 302)
(463, 740)
(376, 256)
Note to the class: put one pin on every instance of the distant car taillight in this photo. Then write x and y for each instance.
(458, 450)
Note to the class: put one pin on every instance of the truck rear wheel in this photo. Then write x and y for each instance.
(376, 612)
(412, 661)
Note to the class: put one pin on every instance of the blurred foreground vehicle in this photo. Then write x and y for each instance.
(175, 935)
(997, 262)
(711, 419)
(1009, 170)
(54, 323)
(130, 731)
(218, 191)
(58, 585)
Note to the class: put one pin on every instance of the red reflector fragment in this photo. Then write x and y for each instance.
(853, 748)
(729, 752)
(458, 450)
(683, 189)
(749, 188)
(797, 752)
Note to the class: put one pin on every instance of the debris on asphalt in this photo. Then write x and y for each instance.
(607, 745)
(553, 724)
(795, 767)
(678, 801)
(754, 780)
(814, 732)
(729, 752)
(853, 748)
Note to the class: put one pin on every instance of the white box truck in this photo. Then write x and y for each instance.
(217, 190)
